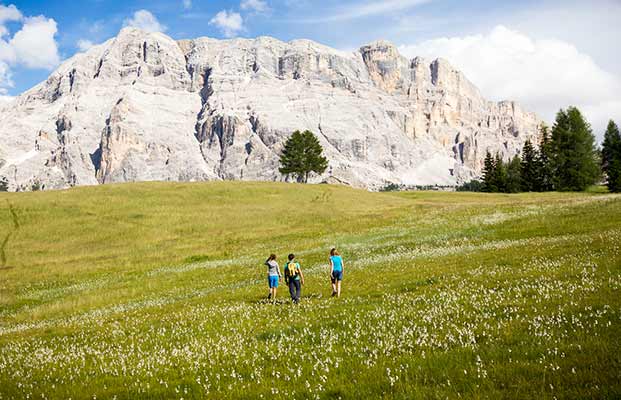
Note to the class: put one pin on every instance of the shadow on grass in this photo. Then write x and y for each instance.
(5, 242)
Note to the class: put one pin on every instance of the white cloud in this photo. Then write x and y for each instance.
(592, 26)
(259, 6)
(542, 74)
(9, 13)
(5, 78)
(35, 45)
(187, 4)
(229, 23)
(366, 9)
(600, 113)
(7, 52)
(143, 19)
(84, 44)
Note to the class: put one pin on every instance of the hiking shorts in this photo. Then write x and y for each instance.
(272, 281)
(337, 276)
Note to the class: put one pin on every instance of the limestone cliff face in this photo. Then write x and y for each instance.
(143, 106)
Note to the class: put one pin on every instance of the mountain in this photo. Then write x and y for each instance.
(143, 106)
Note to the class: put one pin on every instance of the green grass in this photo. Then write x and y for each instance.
(157, 290)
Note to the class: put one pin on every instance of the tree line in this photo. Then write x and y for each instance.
(566, 159)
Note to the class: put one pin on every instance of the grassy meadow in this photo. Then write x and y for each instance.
(158, 291)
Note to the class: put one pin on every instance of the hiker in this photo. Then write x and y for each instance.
(273, 276)
(336, 272)
(294, 278)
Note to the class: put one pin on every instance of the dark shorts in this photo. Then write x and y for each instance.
(337, 276)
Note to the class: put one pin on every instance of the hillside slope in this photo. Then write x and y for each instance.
(157, 290)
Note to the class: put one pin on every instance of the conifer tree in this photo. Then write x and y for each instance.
(489, 171)
(4, 184)
(611, 157)
(500, 174)
(514, 176)
(302, 155)
(292, 155)
(573, 147)
(546, 172)
(530, 171)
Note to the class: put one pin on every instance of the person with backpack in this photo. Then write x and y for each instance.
(294, 278)
(336, 272)
(273, 276)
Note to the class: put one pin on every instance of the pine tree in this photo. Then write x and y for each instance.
(573, 148)
(313, 156)
(500, 174)
(302, 155)
(4, 184)
(292, 154)
(611, 157)
(489, 172)
(514, 176)
(546, 172)
(530, 169)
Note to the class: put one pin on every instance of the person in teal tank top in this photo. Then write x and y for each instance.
(336, 272)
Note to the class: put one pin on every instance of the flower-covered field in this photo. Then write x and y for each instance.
(158, 291)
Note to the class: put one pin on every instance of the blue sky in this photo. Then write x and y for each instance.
(546, 54)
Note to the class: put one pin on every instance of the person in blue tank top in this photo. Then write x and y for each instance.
(336, 272)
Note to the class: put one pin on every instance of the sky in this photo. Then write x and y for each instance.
(545, 54)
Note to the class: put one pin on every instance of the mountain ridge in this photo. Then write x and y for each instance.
(143, 106)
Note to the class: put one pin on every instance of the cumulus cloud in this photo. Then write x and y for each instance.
(5, 78)
(229, 23)
(592, 26)
(143, 19)
(33, 45)
(259, 6)
(542, 74)
(9, 13)
(7, 52)
(84, 44)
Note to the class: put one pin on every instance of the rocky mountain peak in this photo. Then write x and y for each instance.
(386, 66)
(143, 106)
(380, 46)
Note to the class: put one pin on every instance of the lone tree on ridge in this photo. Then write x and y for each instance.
(302, 155)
